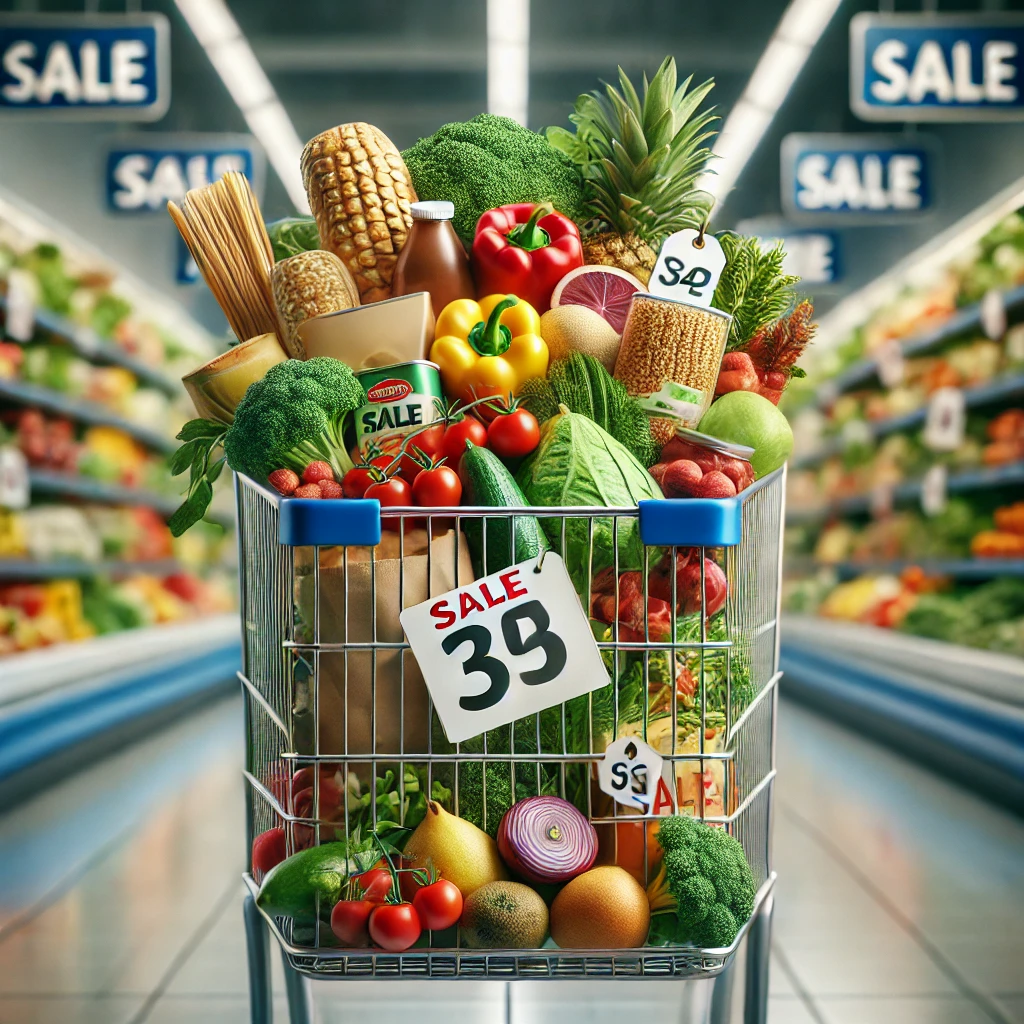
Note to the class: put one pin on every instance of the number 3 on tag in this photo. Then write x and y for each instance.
(509, 645)
(687, 271)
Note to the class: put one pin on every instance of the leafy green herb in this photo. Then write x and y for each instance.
(291, 235)
(201, 439)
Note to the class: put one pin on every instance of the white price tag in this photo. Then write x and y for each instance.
(891, 364)
(20, 319)
(630, 773)
(992, 312)
(14, 488)
(933, 491)
(945, 421)
(883, 497)
(509, 645)
(686, 271)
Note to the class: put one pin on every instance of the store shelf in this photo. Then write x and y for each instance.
(23, 569)
(981, 479)
(967, 569)
(81, 411)
(1001, 390)
(69, 485)
(966, 319)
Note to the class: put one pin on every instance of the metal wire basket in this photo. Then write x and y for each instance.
(332, 692)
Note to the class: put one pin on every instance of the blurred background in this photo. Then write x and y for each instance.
(895, 178)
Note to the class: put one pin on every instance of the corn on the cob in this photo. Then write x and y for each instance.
(360, 193)
(667, 342)
(306, 285)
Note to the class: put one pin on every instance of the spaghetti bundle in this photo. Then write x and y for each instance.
(224, 230)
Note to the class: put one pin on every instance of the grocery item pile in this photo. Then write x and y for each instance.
(497, 318)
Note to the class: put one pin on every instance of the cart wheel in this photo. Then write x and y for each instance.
(260, 993)
(759, 940)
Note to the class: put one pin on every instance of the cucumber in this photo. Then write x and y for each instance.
(291, 887)
(510, 539)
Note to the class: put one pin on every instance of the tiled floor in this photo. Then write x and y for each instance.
(901, 900)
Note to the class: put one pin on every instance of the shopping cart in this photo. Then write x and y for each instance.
(331, 687)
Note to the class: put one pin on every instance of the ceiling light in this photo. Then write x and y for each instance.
(508, 58)
(777, 69)
(231, 55)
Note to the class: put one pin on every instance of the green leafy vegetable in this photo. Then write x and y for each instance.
(292, 235)
(583, 385)
(201, 439)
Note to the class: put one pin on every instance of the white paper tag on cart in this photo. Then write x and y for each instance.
(933, 490)
(891, 364)
(630, 773)
(14, 486)
(945, 421)
(686, 271)
(20, 318)
(992, 313)
(509, 645)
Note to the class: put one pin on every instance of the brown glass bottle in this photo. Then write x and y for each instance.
(432, 259)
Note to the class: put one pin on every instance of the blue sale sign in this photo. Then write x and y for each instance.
(872, 177)
(146, 171)
(931, 67)
(98, 66)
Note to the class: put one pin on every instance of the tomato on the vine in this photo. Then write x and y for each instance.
(391, 492)
(395, 926)
(469, 428)
(349, 920)
(356, 480)
(429, 443)
(376, 884)
(437, 486)
(513, 433)
(438, 904)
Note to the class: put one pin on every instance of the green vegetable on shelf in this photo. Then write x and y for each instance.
(704, 890)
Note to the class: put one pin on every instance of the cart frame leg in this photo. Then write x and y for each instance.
(759, 941)
(721, 995)
(297, 988)
(261, 1001)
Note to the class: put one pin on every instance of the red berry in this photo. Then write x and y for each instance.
(330, 489)
(715, 485)
(284, 481)
(681, 479)
(741, 473)
(317, 471)
(307, 491)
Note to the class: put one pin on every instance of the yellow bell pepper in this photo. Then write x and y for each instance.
(488, 347)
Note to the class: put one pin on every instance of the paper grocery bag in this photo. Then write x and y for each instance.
(380, 691)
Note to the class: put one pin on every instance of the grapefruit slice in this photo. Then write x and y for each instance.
(606, 290)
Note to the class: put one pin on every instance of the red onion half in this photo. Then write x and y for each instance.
(546, 839)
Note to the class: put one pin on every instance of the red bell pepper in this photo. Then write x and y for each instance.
(525, 249)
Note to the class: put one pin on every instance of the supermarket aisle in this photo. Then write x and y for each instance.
(901, 900)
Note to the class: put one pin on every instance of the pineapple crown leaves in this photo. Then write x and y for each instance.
(752, 288)
(640, 157)
(775, 348)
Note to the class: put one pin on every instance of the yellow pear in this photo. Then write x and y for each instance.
(461, 852)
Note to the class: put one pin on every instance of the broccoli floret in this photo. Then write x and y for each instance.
(706, 879)
(295, 415)
(491, 161)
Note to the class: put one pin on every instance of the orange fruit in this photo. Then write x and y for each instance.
(604, 908)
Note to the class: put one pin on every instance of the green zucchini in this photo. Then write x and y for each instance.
(510, 539)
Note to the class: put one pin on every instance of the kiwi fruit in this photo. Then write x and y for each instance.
(504, 915)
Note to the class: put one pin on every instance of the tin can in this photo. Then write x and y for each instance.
(402, 398)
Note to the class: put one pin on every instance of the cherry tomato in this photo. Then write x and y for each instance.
(349, 921)
(390, 493)
(439, 485)
(439, 904)
(395, 926)
(512, 435)
(455, 437)
(429, 442)
(268, 850)
(376, 884)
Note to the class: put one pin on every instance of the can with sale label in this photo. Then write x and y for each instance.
(402, 398)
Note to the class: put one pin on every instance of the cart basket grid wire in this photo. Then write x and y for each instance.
(341, 735)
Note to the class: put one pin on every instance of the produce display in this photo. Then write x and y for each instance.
(914, 501)
(507, 271)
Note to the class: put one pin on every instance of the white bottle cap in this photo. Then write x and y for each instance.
(438, 209)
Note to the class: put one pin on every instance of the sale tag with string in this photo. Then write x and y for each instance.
(630, 773)
(505, 646)
(945, 421)
(689, 265)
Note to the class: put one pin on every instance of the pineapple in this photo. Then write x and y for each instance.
(360, 193)
(640, 160)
